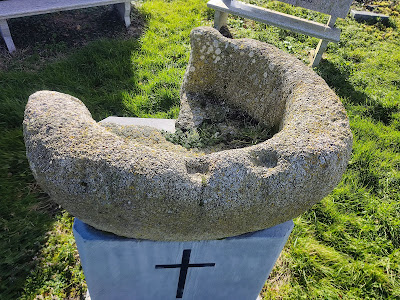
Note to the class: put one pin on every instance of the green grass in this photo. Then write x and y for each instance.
(345, 247)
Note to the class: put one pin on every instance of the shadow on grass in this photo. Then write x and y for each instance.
(25, 215)
(94, 69)
(338, 79)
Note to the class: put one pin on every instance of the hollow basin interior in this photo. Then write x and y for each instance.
(223, 127)
(234, 89)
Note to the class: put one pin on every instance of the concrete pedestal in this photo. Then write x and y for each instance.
(231, 268)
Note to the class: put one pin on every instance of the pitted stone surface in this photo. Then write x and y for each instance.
(132, 182)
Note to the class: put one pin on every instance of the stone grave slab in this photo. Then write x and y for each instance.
(326, 32)
(369, 16)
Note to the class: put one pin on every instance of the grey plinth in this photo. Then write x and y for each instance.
(231, 268)
(361, 16)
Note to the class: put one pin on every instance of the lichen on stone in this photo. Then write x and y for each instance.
(133, 182)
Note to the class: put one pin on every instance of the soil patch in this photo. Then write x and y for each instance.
(224, 128)
(54, 34)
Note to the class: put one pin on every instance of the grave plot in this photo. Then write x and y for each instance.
(11, 9)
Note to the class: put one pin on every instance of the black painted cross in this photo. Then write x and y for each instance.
(184, 266)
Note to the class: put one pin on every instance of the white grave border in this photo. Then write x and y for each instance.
(325, 32)
(10, 9)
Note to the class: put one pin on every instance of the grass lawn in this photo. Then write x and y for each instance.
(345, 247)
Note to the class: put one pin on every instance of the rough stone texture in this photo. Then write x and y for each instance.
(337, 8)
(123, 183)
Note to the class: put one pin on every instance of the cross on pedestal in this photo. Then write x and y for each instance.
(184, 266)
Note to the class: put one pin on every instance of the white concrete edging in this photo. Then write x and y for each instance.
(21, 8)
